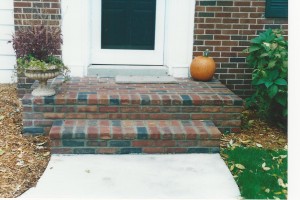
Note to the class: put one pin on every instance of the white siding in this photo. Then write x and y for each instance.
(7, 55)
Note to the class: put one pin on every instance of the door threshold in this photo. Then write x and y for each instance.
(126, 70)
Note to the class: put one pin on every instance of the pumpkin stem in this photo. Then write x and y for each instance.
(206, 53)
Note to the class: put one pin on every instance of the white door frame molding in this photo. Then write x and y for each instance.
(179, 36)
(76, 35)
(178, 42)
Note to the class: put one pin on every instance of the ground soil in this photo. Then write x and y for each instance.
(23, 159)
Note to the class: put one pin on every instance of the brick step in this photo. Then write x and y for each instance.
(94, 98)
(134, 136)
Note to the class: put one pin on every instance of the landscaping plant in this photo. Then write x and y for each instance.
(37, 47)
(268, 56)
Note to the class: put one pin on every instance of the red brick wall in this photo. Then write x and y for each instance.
(28, 12)
(225, 27)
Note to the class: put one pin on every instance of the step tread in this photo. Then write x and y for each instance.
(134, 130)
(105, 91)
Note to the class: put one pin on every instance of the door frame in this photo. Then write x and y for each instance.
(178, 42)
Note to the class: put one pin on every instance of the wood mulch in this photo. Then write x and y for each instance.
(23, 159)
(256, 133)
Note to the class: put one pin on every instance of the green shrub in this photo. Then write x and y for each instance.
(268, 55)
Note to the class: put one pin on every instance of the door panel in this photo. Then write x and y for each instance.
(128, 24)
(130, 30)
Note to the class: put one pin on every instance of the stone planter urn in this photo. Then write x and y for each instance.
(42, 76)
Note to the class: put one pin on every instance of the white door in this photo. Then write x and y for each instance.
(127, 32)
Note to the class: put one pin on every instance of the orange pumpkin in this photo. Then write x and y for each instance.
(203, 67)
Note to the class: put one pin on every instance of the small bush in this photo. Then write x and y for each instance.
(268, 55)
(38, 41)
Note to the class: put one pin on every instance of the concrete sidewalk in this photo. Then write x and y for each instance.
(197, 176)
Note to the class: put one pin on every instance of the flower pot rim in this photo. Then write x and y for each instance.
(37, 68)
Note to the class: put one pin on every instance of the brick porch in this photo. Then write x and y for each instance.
(92, 100)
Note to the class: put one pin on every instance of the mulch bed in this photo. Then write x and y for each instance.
(256, 133)
(23, 159)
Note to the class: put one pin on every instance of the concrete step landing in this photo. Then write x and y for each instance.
(126, 70)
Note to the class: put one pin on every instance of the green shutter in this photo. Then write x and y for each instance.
(276, 9)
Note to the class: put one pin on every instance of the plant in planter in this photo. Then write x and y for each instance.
(36, 48)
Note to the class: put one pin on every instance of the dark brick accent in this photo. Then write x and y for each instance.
(206, 14)
(224, 3)
(84, 151)
(142, 133)
(206, 37)
(130, 150)
(73, 143)
(33, 131)
(119, 143)
(208, 3)
(237, 59)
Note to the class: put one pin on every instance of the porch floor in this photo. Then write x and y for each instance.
(198, 91)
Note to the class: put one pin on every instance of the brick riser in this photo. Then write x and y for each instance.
(92, 98)
(124, 137)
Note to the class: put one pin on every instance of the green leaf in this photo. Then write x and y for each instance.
(253, 48)
(264, 55)
(273, 74)
(256, 40)
(259, 82)
(285, 112)
(285, 64)
(268, 84)
(272, 63)
(281, 99)
(277, 55)
(283, 54)
(281, 81)
(272, 91)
